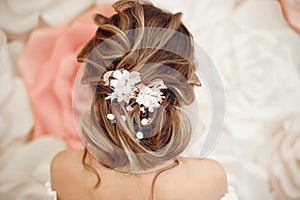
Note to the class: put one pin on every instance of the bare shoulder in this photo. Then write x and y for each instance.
(67, 154)
(208, 166)
(201, 178)
(64, 163)
(66, 170)
(210, 174)
(65, 160)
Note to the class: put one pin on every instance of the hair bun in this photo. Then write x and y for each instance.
(144, 39)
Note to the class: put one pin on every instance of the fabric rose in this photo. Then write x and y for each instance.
(291, 10)
(48, 66)
(24, 164)
(281, 157)
(21, 16)
(16, 117)
(256, 56)
(200, 16)
(258, 73)
(248, 178)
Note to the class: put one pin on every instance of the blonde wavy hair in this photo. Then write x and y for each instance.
(116, 46)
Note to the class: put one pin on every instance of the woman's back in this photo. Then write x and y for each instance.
(190, 178)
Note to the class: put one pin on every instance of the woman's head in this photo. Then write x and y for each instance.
(145, 39)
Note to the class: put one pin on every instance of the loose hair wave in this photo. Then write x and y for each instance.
(116, 46)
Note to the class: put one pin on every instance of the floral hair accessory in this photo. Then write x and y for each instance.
(123, 84)
(127, 87)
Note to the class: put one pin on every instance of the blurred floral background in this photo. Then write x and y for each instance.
(255, 45)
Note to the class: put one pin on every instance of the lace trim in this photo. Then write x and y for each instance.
(50, 191)
(230, 195)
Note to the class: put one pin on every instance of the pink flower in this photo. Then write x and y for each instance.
(48, 66)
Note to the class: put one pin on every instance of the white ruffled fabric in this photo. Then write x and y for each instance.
(52, 194)
(230, 195)
(24, 165)
(21, 16)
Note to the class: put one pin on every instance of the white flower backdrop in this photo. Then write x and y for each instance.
(256, 53)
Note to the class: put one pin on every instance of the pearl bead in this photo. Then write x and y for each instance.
(110, 116)
(144, 121)
(123, 117)
(139, 135)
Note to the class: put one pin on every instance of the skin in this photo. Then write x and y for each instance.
(192, 179)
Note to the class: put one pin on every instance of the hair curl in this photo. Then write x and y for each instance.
(115, 46)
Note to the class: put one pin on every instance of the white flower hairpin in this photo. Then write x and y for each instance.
(127, 87)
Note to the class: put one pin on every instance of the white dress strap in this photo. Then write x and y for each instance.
(52, 194)
(230, 195)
